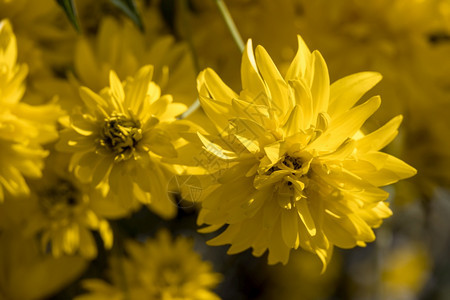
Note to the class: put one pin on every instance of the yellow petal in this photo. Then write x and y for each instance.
(389, 169)
(137, 89)
(301, 61)
(289, 227)
(251, 80)
(346, 125)
(381, 137)
(346, 91)
(117, 92)
(216, 150)
(276, 86)
(320, 86)
(305, 215)
(304, 100)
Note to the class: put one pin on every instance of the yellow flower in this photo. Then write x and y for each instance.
(61, 213)
(23, 128)
(28, 274)
(45, 40)
(119, 138)
(123, 48)
(301, 172)
(393, 37)
(405, 270)
(158, 269)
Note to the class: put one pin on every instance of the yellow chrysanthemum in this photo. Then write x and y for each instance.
(119, 138)
(45, 40)
(405, 271)
(393, 37)
(157, 269)
(23, 128)
(62, 215)
(301, 173)
(121, 47)
(28, 274)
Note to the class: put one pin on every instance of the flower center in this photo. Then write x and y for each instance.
(120, 135)
(59, 199)
(289, 162)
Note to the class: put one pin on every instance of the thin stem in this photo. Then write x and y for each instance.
(230, 24)
(188, 37)
(234, 33)
(194, 106)
(188, 34)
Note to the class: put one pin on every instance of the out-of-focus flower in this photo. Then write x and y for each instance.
(27, 274)
(120, 46)
(301, 278)
(23, 128)
(62, 216)
(158, 269)
(118, 140)
(45, 40)
(301, 172)
(405, 271)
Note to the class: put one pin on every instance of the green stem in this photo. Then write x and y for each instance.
(237, 38)
(230, 24)
(188, 37)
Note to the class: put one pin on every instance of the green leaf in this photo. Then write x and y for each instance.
(71, 12)
(129, 8)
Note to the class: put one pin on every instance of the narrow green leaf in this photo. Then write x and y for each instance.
(129, 8)
(71, 12)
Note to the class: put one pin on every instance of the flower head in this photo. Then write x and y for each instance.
(158, 269)
(119, 139)
(301, 172)
(121, 47)
(393, 38)
(62, 215)
(23, 128)
(26, 271)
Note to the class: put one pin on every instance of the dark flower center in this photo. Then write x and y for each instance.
(59, 197)
(288, 162)
(120, 135)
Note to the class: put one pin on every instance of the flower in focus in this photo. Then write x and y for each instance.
(119, 138)
(62, 214)
(393, 37)
(301, 172)
(158, 269)
(23, 128)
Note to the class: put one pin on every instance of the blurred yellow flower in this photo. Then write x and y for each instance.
(45, 40)
(405, 271)
(62, 216)
(28, 274)
(301, 172)
(158, 269)
(121, 47)
(23, 128)
(119, 138)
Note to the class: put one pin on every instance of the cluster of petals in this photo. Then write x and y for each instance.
(24, 128)
(118, 140)
(301, 172)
